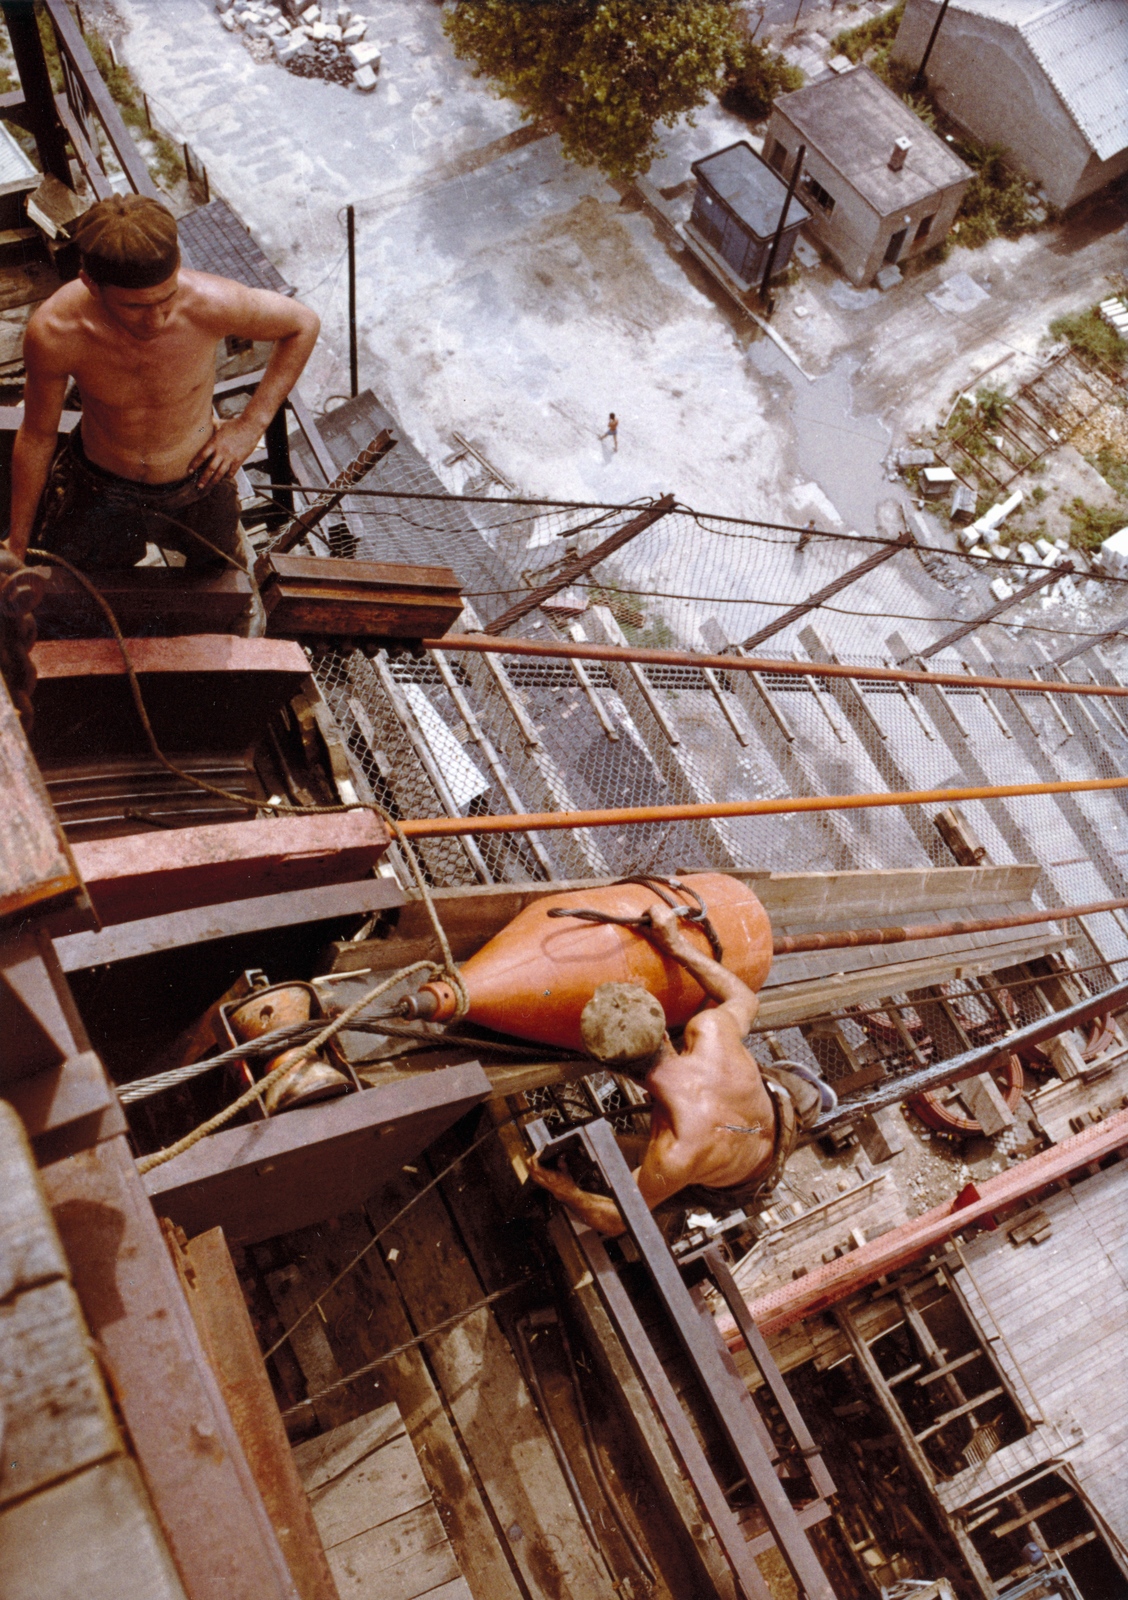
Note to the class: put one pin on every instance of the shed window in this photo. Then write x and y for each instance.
(923, 228)
(818, 194)
(777, 155)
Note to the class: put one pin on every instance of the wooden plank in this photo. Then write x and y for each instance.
(492, 1408)
(985, 1103)
(93, 1536)
(57, 1417)
(207, 653)
(314, 1162)
(407, 1378)
(231, 919)
(798, 1002)
(187, 867)
(400, 1560)
(220, 1313)
(201, 1487)
(361, 1475)
(473, 913)
(37, 867)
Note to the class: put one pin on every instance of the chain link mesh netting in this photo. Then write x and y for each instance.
(488, 735)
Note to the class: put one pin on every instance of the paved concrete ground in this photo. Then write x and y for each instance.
(515, 298)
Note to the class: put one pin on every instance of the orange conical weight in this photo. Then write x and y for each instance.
(534, 978)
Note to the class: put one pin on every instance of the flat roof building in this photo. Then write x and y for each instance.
(879, 184)
(737, 211)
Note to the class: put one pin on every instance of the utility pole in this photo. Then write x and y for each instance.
(918, 80)
(354, 373)
(774, 251)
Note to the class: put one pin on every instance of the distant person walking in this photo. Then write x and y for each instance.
(612, 431)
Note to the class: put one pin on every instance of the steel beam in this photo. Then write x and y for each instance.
(726, 1394)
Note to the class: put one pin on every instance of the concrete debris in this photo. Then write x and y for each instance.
(962, 509)
(326, 42)
(915, 458)
(888, 277)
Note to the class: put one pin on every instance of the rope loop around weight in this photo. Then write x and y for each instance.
(699, 916)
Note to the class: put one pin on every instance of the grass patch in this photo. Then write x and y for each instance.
(1090, 525)
(166, 157)
(877, 34)
(998, 201)
(1112, 468)
(1091, 336)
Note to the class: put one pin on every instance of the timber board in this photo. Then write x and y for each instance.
(37, 867)
(93, 1536)
(482, 1384)
(471, 914)
(127, 941)
(146, 875)
(311, 1163)
(366, 1316)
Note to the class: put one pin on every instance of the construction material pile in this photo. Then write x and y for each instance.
(322, 41)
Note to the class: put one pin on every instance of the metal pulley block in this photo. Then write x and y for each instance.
(285, 1005)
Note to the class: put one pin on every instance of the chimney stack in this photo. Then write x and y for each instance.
(901, 148)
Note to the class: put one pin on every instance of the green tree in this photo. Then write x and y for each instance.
(607, 73)
(756, 76)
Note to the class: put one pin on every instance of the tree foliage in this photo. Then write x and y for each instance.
(756, 75)
(607, 73)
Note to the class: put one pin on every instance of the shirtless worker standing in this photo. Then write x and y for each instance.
(721, 1126)
(138, 334)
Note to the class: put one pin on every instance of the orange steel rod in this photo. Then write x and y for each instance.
(725, 663)
(522, 822)
(793, 944)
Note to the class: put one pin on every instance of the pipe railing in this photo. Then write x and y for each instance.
(645, 656)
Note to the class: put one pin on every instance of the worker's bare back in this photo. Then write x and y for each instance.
(712, 1113)
(147, 386)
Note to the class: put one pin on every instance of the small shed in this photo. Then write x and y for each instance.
(737, 209)
(881, 185)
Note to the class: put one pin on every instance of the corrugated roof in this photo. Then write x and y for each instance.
(853, 121)
(1082, 46)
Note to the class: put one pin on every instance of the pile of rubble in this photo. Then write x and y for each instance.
(320, 41)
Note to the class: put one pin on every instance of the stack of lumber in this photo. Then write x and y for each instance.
(365, 602)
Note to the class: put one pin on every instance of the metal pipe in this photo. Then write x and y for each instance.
(557, 1443)
(918, 79)
(596, 1459)
(616, 816)
(787, 945)
(565, 650)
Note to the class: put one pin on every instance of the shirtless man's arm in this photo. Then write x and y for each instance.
(34, 446)
(263, 316)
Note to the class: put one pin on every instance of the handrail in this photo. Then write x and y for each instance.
(81, 70)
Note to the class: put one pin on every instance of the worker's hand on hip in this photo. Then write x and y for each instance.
(225, 452)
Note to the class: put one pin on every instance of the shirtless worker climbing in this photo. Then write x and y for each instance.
(138, 334)
(721, 1126)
